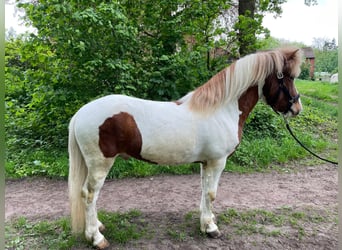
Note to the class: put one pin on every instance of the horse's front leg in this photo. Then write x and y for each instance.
(210, 175)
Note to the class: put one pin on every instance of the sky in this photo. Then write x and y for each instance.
(301, 23)
(298, 23)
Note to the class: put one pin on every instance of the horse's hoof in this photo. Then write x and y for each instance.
(102, 228)
(215, 234)
(104, 244)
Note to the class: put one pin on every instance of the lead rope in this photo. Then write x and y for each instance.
(300, 143)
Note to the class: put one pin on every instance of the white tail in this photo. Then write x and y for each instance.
(77, 175)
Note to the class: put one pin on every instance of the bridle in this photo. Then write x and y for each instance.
(285, 90)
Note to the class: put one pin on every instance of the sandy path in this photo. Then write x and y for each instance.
(314, 187)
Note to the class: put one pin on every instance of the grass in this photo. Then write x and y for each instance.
(327, 92)
(273, 223)
(265, 144)
(23, 234)
(131, 228)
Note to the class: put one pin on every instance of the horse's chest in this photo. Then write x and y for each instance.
(220, 140)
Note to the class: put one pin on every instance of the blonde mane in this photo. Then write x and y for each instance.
(230, 83)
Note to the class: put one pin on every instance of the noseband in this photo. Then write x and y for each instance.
(285, 90)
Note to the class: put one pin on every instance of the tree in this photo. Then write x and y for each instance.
(246, 34)
(249, 24)
(52, 73)
(251, 14)
(310, 2)
(10, 34)
(326, 55)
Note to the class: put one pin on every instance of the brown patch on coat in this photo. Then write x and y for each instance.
(120, 134)
(246, 103)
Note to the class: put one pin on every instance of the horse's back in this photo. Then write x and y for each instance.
(166, 130)
(143, 111)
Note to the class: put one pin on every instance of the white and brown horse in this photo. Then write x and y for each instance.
(204, 126)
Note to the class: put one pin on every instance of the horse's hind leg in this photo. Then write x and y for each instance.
(210, 175)
(97, 172)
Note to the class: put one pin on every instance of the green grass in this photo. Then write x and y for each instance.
(124, 230)
(22, 234)
(273, 223)
(120, 229)
(322, 91)
(265, 144)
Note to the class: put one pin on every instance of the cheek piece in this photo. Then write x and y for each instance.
(285, 90)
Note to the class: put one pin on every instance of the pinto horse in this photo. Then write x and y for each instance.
(205, 126)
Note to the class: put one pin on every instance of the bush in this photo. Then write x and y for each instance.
(305, 71)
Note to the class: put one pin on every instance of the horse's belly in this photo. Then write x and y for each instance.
(169, 149)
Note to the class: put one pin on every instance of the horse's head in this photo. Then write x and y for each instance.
(279, 90)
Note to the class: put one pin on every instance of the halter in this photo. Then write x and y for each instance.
(285, 90)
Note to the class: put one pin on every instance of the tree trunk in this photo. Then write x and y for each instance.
(246, 8)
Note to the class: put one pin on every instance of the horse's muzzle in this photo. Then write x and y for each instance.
(295, 109)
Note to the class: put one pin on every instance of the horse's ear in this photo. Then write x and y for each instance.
(293, 55)
(294, 60)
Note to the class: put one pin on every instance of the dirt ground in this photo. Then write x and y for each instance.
(166, 199)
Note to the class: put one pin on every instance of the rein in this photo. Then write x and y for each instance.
(293, 99)
(306, 148)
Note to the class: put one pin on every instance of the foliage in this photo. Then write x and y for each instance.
(304, 71)
(250, 29)
(326, 55)
(33, 104)
(96, 49)
(326, 61)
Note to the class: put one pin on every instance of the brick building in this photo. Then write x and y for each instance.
(310, 59)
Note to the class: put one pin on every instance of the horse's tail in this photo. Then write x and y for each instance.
(77, 175)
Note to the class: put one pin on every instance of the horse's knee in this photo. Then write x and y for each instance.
(91, 189)
(212, 196)
(88, 195)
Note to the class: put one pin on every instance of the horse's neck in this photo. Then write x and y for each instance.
(247, 102)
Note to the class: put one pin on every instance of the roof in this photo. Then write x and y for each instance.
(308, 52)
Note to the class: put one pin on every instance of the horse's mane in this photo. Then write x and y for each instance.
(231, 82)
